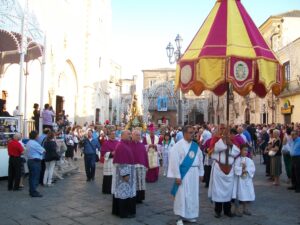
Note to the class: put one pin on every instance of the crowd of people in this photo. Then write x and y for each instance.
(219, 156)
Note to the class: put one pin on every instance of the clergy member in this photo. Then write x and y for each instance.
(141, 164)
(108, 151)
(186, 166)
(124, 180)
(221, 182)
(153, 148)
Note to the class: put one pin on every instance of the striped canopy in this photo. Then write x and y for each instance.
(228, 48)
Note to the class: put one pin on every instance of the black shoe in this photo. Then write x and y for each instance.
(88, 180)
(37, 195)
(229, 214)
(17, 189)
(9, 189)
(131, 216)
(218, 215)
(297, 191)
(93, 178)
(291, 188)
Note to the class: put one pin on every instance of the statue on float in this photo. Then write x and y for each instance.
(135, 116)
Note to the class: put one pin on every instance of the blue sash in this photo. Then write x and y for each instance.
(186, 165)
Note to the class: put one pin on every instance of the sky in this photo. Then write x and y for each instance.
(141, 29)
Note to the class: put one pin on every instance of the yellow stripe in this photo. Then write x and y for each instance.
(195, 47)
(211, 72)
(238, 41)
(267, 72)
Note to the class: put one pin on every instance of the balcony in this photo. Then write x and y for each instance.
(292, 88)
(154, 108)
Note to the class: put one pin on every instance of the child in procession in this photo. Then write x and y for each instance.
(244, 170)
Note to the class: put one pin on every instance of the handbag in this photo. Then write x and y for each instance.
(271, 153)
(97, 158)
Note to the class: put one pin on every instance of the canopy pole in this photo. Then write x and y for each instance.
(43, 67)
(227, 116)
(227, 104)
(228, 93)
(21, 72)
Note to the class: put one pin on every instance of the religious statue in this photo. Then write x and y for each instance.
(135, 116)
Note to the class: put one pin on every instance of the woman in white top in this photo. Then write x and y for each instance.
(286, 148)
(168, 143)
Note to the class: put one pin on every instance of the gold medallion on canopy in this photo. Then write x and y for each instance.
(229, 49)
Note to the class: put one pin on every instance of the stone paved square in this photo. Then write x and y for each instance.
(75, 201)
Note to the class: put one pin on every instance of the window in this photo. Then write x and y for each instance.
(287, 73)
(152, 82)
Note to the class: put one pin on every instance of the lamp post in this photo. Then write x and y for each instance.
(174, 57)
(272, 105)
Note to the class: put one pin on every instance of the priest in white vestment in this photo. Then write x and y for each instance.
(186, 202)
(221, 181)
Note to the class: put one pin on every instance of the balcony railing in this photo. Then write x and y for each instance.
(154, 108)
(292, 88)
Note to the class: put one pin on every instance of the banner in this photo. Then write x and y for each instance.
(162, 104)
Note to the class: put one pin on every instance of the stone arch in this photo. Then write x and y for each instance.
(247, 116)
(67, 90)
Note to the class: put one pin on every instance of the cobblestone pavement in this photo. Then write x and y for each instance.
(75, 201)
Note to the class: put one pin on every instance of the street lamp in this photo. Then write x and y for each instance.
(174, 57)
(170, 50)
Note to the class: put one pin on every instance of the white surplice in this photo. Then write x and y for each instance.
(243, 185)
(221, 184)
(186, 203)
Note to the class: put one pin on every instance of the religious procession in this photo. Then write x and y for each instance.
(132, 156)
(214, 141)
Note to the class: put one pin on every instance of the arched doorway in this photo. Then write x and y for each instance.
(67, 90)
(247, 116)
(157, 94)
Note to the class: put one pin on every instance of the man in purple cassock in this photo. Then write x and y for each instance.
(141, 164)
(124, 179)
(108, 151)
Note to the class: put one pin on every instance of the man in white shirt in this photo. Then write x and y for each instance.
(16, 112)
(206, 135)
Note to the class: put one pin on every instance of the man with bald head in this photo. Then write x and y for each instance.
(124, 179)
(141, 164)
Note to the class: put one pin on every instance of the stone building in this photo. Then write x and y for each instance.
(78, 62)
(161, 102)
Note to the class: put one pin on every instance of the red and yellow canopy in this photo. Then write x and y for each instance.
(229, 48)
